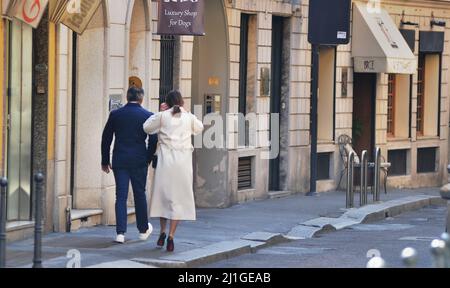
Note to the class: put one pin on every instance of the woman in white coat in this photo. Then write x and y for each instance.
(173, 195)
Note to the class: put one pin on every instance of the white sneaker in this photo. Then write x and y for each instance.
(144, 236)
(120, 239)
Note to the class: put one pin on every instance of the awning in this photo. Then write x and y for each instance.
(377, 44)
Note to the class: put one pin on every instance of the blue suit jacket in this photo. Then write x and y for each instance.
(130, 148)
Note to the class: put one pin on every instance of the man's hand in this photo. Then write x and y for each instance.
(106, 168)
(164, 107)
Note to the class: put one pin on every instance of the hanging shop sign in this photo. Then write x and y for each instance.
(27, 11)
(181, 17)
(75, 14)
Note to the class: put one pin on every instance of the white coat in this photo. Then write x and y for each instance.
(173, 195)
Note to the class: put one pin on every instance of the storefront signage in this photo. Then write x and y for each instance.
(384, 65)
(78, 15)
(181, 17)
(27, 11)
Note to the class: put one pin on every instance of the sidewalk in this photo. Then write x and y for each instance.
(218, 233)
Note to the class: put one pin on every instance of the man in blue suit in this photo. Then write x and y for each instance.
(133, 153)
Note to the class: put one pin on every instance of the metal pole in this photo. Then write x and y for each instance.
(37, 260)
(363, 194)
(4, 185)
(376, 194)
(314, 124)
(350, 192)
(446, 238)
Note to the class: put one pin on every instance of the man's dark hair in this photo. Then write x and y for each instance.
(135, 94)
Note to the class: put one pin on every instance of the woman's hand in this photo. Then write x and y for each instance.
(164, 107)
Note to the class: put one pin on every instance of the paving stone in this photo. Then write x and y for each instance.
(337, 223)
(302, 232)
(160, 263)
(121, 264)
(261, 236)
(381, 227)
(214, 252)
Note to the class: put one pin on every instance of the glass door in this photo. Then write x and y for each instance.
(20, 121)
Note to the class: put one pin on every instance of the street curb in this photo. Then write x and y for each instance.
(310, 229)
(362, 215)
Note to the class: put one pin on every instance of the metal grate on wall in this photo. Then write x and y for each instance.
(245, 173)
(166, 66)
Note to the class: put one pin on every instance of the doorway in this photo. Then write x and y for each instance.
(19, 121)
(209, 98)
(364, 105)
(278, 98)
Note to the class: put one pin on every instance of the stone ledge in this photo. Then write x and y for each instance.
(123, 264)
(77, 214)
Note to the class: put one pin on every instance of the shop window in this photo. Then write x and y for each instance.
(391, 106)
(247, 65)
(398, 106)
(420, 93)
(166, 66)
(327, 65)
(399, 162)
(247, 72)
(323, 166)
(426, 160)
(245, 172)
(428, 84)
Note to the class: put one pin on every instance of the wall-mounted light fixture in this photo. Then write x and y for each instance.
(407, 23)
(436, 22)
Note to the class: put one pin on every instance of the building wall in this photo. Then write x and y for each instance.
(415, 11)
(119, 38)
(297, 74)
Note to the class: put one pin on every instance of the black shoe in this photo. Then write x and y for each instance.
(170, 245)
(161, 240)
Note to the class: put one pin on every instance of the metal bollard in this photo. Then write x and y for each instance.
(364, 180)
(446, 238)
(4, 185)
(438, 251)
(409, 257)
(350, 193)
(376, 193)
(37, 260)
(376, 263)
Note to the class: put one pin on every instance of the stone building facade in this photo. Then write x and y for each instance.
(254, 62)
(408, 112)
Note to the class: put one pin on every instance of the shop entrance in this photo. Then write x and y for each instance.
(364, 103)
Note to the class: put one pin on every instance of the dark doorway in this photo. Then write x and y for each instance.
(364, 104)
(276, 93)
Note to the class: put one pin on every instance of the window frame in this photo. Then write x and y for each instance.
(420, 119)
(392, 94)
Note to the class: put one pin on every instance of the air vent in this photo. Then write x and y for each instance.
(426, 160)
(245, 173)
